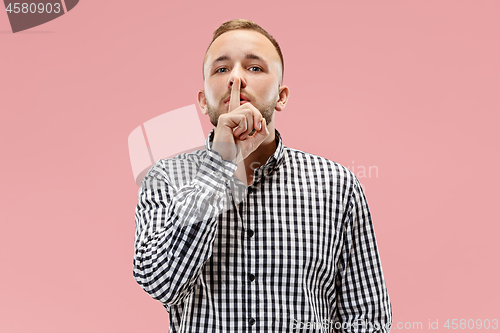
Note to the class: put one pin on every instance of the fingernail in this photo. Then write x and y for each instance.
(260, 125)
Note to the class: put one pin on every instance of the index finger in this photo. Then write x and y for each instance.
(234, 101)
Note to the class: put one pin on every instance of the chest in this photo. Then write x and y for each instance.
(290, 234)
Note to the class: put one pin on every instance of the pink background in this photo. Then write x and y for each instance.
(408, 87)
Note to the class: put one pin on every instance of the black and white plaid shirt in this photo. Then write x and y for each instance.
(293, 252)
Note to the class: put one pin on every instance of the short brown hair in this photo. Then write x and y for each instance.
(249, 25)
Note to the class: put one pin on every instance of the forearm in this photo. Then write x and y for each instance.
(176, 227)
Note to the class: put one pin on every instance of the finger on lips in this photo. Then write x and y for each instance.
(234, 100)
(253, 121)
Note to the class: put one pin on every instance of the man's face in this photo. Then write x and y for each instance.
(249, 56)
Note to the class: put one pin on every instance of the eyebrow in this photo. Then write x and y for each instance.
(247, 56)
(253, 56)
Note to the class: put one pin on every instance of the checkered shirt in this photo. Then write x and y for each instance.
(293, 252)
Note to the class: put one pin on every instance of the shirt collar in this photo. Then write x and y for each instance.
(272, 163)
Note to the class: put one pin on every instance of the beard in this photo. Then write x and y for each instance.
(266, 111)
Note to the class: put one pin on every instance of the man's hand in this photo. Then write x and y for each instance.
(232, 140)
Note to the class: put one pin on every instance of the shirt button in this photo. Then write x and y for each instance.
(251, 321)
(251, 277)
(250, 232)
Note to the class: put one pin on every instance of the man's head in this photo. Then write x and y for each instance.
(249, 25)
(241, 49)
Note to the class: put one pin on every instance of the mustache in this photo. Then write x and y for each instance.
(248, 96)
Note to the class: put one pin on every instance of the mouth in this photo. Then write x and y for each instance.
(243, 100)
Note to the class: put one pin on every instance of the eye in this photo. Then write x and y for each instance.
(255, 69)
(221, 70)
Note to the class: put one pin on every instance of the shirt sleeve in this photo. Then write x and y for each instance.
(176, 225)
(362, 298)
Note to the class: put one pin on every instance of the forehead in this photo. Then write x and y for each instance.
(238, 43)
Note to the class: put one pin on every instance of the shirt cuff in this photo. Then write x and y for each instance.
(215, 172)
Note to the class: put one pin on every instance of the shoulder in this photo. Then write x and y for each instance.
(178, 168)
(314, 165)
(328, 175)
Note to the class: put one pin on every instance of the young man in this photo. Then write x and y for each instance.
(249, 234)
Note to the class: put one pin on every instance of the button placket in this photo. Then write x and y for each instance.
(251, 259)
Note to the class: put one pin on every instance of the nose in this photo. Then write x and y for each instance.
(237, 72)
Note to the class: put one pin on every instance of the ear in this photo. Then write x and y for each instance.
(202, 101)
(283, 98)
